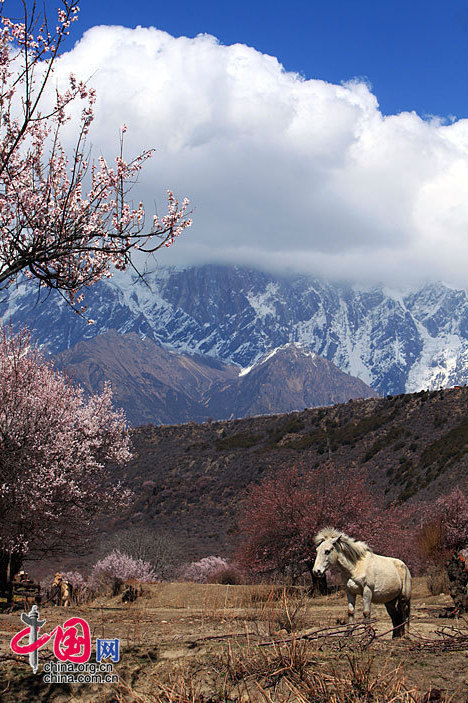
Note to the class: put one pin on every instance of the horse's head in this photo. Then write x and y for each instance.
(326, 555)
(57, 580)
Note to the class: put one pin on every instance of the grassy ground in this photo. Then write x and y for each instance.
(188, 643)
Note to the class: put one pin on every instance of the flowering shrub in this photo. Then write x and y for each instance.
(75, 578)
(201, 571)
(123, 567)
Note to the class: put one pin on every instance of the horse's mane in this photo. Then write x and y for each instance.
(353, 549)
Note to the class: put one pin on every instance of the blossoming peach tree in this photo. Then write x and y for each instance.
(54, 229)
(280, 516)
(55, 446)
(118, 565)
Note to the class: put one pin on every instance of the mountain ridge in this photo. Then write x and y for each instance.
(154, 385)
(394, 341)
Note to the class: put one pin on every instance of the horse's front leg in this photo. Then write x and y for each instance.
(351, 606)
(367, 600)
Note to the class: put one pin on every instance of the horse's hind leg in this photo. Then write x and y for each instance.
(393, 609)
(404, 609)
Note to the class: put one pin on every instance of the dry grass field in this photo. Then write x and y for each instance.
(189, 643)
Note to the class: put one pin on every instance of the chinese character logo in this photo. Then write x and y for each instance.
(69, 644)
(106, 649)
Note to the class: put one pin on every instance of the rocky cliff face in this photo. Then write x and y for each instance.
(158, 386)
(392, 340)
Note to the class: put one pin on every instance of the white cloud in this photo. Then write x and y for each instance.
(285, 173)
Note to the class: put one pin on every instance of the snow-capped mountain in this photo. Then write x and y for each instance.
(394, 341)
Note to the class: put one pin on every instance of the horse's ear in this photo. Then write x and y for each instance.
(336, 539)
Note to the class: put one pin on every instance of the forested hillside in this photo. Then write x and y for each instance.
(188, 479)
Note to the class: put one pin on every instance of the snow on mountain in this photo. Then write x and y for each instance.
(395, 341)
(266, 357)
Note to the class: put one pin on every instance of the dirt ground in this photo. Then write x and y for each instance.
(189, 643)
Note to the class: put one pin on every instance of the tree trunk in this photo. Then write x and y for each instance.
(10, 564)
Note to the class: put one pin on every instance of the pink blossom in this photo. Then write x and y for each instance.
(200, 571)
(121, 566)
(55, 446)
(52, 229)
(281, 515)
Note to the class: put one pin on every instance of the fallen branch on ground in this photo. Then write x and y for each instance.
(346, 630)
(449, 639)
(220, 637)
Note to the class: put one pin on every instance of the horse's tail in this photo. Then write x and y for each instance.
(403, 603)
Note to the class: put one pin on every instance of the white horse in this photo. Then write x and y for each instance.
(378, 579)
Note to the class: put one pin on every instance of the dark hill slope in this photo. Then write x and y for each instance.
(155, 385)
(189, 479)
(151, 383)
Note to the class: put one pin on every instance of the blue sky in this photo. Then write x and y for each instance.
(413, 52)
(302, 133)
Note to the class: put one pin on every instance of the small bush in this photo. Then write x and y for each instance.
(229, 576)
(437, 580)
